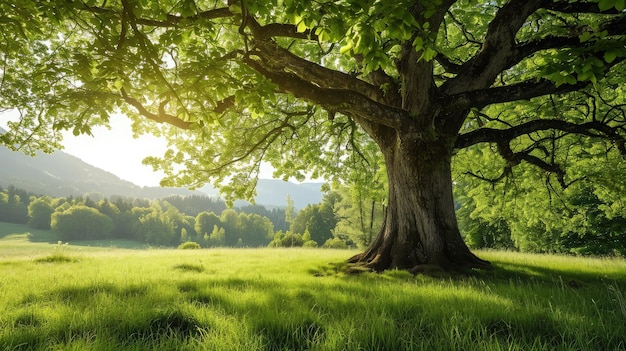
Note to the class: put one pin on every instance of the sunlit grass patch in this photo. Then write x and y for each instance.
(283, 299)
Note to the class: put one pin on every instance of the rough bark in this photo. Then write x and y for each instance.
(420, 231)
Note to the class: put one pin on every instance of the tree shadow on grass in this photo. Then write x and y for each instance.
(32, 234)
(370, 311)
(533, 273)
(41, 236)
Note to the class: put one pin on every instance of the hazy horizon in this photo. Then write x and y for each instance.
(116, 151)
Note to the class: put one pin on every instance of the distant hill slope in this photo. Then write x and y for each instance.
(273, 193)
(61, 174)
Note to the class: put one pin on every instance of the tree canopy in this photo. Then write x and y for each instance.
(306, 85)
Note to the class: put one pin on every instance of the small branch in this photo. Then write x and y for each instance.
(507, 171)
(515, 158)
(447, 64)
(161, 117)
(170, 20)
(577, 7)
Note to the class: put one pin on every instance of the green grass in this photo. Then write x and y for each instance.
(19, 240)
(300, 299)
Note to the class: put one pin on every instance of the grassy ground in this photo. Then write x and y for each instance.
(85, 298)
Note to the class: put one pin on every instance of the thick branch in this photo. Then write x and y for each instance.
(497, 50)
(490, 135)
(447, 64)
(616, 26)
(416, 75)
(339, 100)
(273, 30)
(280, 58)
(520, 91)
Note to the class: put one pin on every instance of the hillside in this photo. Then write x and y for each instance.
(273, 193)
(61, 174)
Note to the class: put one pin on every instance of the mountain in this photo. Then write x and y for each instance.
(273, 193)
(60, 174)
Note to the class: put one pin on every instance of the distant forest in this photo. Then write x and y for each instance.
(343, 218)
(164, 222)
(170, 221)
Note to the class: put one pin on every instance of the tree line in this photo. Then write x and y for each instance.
(583, 220)
(170, 221)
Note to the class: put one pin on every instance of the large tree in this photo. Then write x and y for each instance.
(298, 83)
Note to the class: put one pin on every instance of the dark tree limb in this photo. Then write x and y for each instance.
(497, 50)
(278, 58)
(515, 158)
(520, 91)
(591, 129)
(447, 64)
(577, 7)
(348, 102)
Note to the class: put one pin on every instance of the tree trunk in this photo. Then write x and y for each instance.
(420, 232)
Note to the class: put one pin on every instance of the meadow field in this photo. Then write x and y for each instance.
(122, 296)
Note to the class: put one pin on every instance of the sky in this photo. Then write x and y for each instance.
(113, 150)
(116, 151)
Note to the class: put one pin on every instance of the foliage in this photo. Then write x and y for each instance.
(335, 243)
(14, 205)
(80, 222)
(587, 217)
(189, 245)
(205, 222)
(124, 52)
(319, 220)
(287, 239)
(194, 204)
(40, 213)
(359, 215)
(153, 222)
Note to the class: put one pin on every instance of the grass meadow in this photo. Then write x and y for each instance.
(90, 297)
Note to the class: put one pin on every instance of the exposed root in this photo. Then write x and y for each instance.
(356, 258)
(431, 270)
(377, 263)
(461, 266)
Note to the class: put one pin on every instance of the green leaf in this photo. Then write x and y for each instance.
(301, 28)
(346, 47)
(606, 4)
(610, 56)
(235, 8)
(418, 43)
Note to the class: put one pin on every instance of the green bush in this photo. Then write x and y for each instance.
(310, 243)
(335, 243)
(189, 245)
